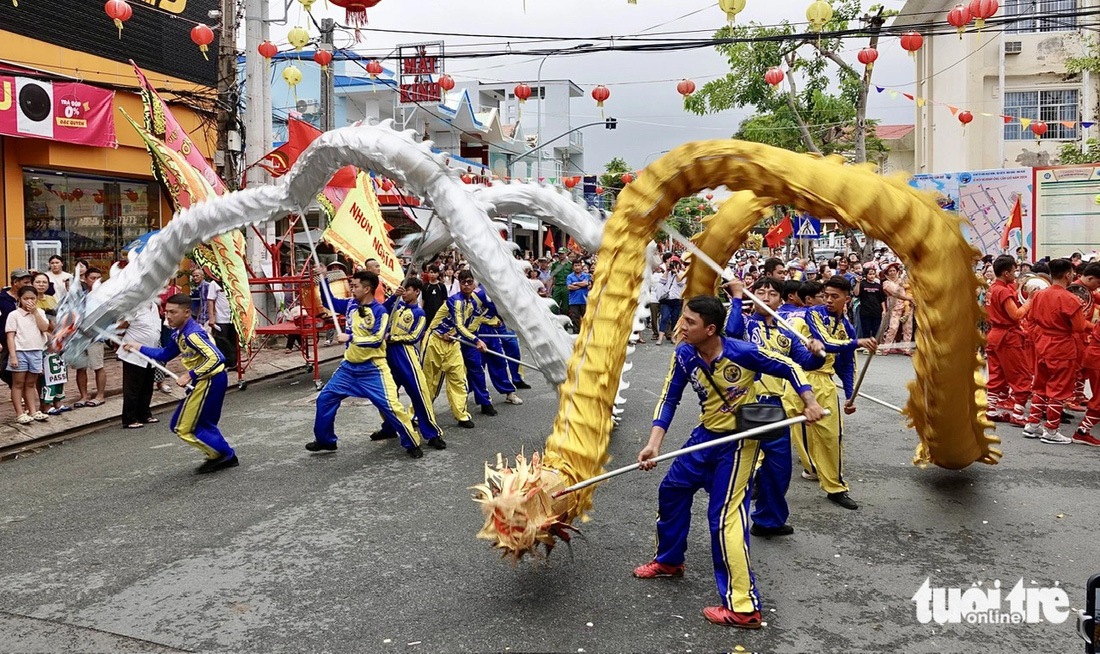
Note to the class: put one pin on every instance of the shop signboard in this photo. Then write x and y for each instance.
(58, 111)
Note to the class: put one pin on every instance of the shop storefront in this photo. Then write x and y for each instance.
(75, 179)
(85, 217)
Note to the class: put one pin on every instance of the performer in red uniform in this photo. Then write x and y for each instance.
(1006, 349)
(1056, 318)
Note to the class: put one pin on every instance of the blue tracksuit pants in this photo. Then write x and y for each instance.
(508, 347)
(196, 418)
(773, 478)
(725, 472)
(367, 380)
(407, 373)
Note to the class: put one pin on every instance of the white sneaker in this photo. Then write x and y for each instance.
(1033, 430)
(806, 474)
(1055, 438)
(512, 398)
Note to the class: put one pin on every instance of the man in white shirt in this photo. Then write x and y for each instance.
(220, 323)
(143, 328)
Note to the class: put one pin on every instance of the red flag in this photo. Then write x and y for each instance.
(781, 231)
(549, 241)
(572, 244)
(1015, 221)
(299, 135)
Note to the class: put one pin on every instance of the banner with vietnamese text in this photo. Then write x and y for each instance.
(359, 232)
(58, 111)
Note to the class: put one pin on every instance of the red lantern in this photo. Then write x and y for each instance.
(522, 92)
(446, 82)
(710, 196)
(374, 69)
(467, 178)
(600, 94)
(120, 12)
(774, 76)
(685, 87)
(702, 207)
(627, 178)
(355, 12)
(323, 57)
(867, 56)
(599, 190)
(267, 50)
(911, 42)
(958, 18)
(981, 10)
(77, 194)
(570, 182)
(1038, 128)
(965, 117)
(203, 36)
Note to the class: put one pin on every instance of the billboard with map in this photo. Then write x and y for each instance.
(984, 199)
(1066, 201)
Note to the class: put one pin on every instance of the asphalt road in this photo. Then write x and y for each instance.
(112, 543)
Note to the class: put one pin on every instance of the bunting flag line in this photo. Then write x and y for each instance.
(1024, 122)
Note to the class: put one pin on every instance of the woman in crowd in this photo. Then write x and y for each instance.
(53, 394)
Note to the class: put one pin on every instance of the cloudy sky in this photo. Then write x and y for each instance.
(643, 85)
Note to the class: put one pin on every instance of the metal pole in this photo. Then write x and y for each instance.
(498, 354)
(538, 127)
(151, 361)
(328, 89)
(687, 450)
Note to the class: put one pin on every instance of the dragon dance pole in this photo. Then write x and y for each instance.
(757, 431)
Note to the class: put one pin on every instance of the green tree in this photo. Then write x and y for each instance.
(1070, 154)
(820, 106)
(612, 181)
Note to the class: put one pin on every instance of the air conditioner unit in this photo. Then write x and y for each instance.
(309, 106)
(39, 253)
(1014, 47)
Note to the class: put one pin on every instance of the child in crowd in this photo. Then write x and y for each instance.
(26, 331)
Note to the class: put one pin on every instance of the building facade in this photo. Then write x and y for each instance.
(61, 196)
(1019, 73)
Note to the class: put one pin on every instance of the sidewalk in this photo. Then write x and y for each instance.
(268, 363)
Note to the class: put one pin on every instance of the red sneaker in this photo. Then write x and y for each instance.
(1017, 422)
(1085, 438)
(722, 616)
(999, 416)
(653, 569)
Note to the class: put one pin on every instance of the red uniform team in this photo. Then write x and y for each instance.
(1043, 350)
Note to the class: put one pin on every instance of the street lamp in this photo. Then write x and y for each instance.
(542, 99)
(645, 161)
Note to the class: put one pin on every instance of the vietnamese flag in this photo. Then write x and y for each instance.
(781, 231)
(549, 240)
(572, 245)
(299, 135)
(1015, 221)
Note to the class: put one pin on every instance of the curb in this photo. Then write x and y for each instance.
(14, 451)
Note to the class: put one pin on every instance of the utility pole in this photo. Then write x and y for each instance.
(328, 86)
(229, 137)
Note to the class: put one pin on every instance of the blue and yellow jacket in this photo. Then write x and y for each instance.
(193, 345)
(367, 326)
(408, 322)
(838, 335)
(460, 318)
(733, 374)
(774, 338)
(486, 310)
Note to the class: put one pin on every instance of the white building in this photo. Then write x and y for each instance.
(1028, 61)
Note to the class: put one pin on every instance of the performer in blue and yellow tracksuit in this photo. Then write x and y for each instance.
(364, 371)
(196, 418)
(722, 372)
(489, 322)
(773, 478)
(821, 445)
(407, 327)
(442, 357)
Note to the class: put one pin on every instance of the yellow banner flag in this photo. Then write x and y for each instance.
(1024, 122)
(359, 232)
